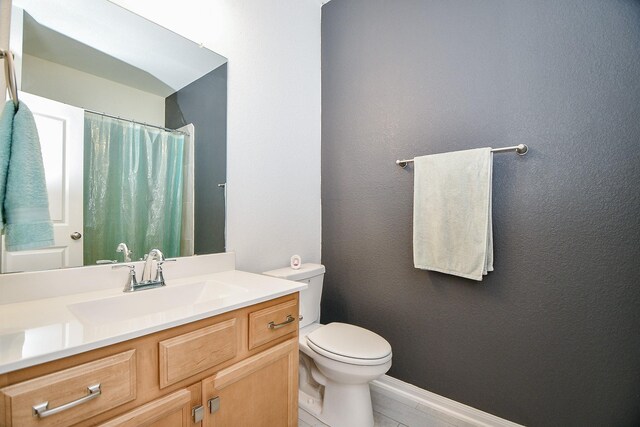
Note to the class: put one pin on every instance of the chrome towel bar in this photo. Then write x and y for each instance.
(520, 149)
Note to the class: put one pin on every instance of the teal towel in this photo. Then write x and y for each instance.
(27, 224)
(6, 128)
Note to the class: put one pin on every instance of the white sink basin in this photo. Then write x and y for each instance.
(151, 301)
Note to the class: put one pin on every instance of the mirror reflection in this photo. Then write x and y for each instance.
(132, 123)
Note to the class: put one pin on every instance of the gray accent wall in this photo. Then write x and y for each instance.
(552, 336)
(204, 103)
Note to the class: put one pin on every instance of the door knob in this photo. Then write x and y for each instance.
(76, 236)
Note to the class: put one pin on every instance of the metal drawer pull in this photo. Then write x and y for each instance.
(290, 319)
(41, 410)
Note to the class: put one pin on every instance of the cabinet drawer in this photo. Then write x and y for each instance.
(272, 322)
(116, 376)
(188, 354)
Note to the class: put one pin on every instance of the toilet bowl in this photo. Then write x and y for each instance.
(337, 361)
(345, 359)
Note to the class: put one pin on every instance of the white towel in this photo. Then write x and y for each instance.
(452, 230)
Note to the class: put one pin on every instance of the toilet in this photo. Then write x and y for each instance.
(337, 361)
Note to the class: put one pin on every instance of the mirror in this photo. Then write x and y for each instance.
(103, 59)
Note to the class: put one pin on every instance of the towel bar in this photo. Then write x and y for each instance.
(520, 149)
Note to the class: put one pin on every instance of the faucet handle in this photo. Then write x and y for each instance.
(131, 266)
(132, 281)
(159, 276)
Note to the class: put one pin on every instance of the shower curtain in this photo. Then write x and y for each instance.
(132, 189)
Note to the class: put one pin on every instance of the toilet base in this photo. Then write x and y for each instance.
(348, 406)
(310, 404)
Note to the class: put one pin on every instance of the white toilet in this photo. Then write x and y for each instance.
(337, 360)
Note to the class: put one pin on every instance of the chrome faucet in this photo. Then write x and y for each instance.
(147, 282)
(153, 255)
(122, 247)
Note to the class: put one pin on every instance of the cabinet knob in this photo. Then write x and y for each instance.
(197, 413)
(214, 404)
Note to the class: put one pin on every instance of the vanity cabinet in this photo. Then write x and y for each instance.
(259, 391)
(235, 369)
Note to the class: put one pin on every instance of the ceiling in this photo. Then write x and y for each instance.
(104, 39)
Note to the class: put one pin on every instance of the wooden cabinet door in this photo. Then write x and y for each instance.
(259, 391)
(173, 410)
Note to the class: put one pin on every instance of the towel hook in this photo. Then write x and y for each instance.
(10, 75)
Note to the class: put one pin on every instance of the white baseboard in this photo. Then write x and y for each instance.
(449, 408)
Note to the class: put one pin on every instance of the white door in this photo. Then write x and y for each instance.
(61, 130)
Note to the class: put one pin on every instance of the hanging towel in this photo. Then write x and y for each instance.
(6, 128)
(452, 213)
(27, 224)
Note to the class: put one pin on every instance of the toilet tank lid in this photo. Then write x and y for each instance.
(306, 271)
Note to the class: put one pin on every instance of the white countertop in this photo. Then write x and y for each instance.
(41, 330)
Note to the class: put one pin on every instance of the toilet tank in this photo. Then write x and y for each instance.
(312, 275)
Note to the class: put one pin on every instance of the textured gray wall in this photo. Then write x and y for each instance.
(551, 337)
(204, 103)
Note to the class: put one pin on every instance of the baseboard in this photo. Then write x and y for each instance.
(435, 402)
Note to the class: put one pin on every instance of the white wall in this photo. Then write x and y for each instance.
(273, 160)
(84, 90)
(5, 25)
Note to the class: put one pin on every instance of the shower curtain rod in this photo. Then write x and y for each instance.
(520, 149)
(138, 123)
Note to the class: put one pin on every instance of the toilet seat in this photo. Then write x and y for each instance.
(350, 344)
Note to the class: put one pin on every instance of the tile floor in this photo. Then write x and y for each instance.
(391, 410)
